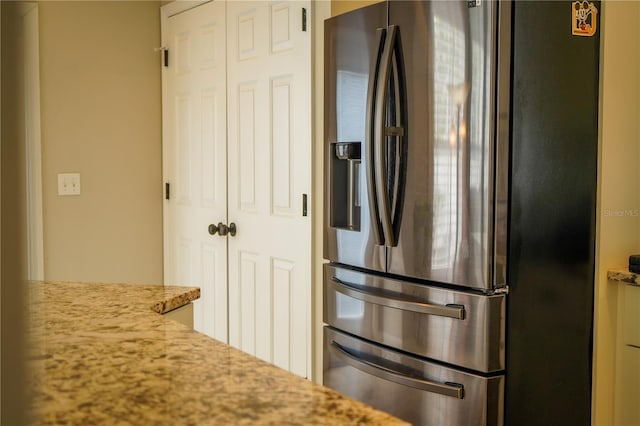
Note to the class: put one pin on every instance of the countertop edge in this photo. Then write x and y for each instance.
(623, 275)
(174, 302)
(175, 296)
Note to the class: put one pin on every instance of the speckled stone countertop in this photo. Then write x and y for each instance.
(102, 354)
(624, 275)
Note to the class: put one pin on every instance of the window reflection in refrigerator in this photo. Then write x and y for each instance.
(461, 132)
(449, 79)
(349, 308)
(351, 102)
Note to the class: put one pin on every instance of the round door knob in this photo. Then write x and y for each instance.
(222, 229)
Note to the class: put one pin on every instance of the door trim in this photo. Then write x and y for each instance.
(179, 6)
(33, 142)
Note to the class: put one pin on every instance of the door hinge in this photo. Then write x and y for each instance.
(165, 55)
(167, 191)
(304, 204)
(501, 290)
(304, 19)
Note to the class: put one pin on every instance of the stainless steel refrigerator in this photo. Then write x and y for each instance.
(461, 150)
(416, 184)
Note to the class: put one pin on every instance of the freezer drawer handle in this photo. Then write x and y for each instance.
(455, 390)
(450, 311)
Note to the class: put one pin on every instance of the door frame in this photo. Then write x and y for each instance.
(177, 7)
(320, 10)
(33, 141)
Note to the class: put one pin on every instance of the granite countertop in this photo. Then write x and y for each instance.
(624, 275)
(102, 354)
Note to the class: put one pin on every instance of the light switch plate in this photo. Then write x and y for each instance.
(69, 184)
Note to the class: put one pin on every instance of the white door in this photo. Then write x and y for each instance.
(195, 158)
(269, 145)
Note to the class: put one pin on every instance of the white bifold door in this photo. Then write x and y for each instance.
(237, 143)
(195, 159)
(268, 89)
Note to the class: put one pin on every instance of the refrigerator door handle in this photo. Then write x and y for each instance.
(455, 390)
(450, 311)
(369, 141)
(379, 136)
(397, 131)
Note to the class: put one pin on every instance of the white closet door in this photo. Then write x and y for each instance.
(269, 143)
(195, 160)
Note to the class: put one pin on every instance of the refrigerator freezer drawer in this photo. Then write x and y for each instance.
(460, 328)
(410, 388)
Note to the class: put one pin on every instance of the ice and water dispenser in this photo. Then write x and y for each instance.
(345, 185)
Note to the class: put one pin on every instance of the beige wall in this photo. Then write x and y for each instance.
(101, 117)
(618, 236)
(342, 6)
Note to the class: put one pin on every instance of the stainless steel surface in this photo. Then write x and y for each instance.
(475, 342)
(482, 397)
(352, 52)
(447, 213)
(379, 369)
(392, 301)
(501, 174)
(379, 136)
(416, 133)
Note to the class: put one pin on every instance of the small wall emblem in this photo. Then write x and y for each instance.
(584, 18)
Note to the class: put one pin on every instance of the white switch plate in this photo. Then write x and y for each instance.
(69, 184)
